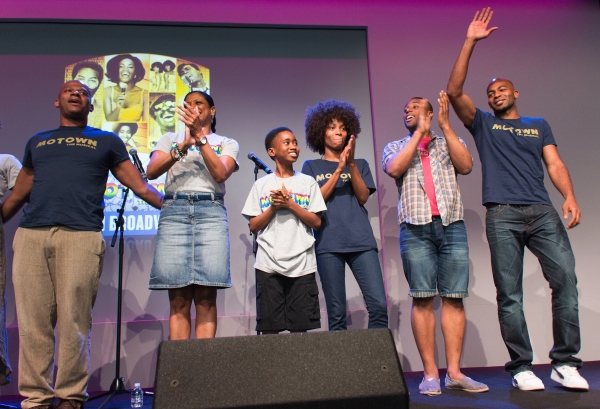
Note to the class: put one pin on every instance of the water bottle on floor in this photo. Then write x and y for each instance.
(137, 396)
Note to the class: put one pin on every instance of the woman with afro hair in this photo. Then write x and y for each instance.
(345, 236)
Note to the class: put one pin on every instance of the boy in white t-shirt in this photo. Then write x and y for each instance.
(283, 209)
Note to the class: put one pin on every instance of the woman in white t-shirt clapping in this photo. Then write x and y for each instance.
(191, 259)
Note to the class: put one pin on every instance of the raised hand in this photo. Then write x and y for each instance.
(478, 29)
(188, 139)
(344, 158)
(443, 116)
(424, 123)
(351, 148)
(347, 155)
(191, 118)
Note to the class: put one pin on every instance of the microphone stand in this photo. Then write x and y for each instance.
(117, 386)
(254, 243)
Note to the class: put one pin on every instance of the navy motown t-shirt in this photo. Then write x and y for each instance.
(510, 151)
(70, 166)
(345, 226)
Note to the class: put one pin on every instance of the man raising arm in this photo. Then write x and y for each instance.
(513, 150)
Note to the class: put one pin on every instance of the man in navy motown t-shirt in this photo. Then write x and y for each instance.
(519, 213)
(59, 247)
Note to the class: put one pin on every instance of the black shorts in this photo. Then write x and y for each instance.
(286, 303)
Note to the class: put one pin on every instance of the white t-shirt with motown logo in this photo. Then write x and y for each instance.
(191, 174)
(510, 151)
(285, 245)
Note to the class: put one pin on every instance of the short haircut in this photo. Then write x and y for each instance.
(88, 64)
(157, 64)
(180, 68)
(429, 106)
(319, 117)
(162, 98)
(498, 79)
(273, 134)
(112, 68)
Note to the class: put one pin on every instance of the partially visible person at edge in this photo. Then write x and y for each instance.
(191, 259)
(58, 247)
(520, 214)
(125, 101)
(9, 169)
(433, 237)
(346, 184)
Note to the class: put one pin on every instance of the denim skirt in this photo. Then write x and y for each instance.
(192, 245)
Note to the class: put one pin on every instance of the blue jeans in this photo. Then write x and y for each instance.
(367, 271)
(509, 229)
(435, 257)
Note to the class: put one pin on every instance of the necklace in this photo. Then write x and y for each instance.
(280, 181)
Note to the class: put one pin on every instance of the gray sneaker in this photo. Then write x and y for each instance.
(430, 387)
(466, 384)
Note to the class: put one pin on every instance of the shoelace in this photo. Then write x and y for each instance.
(569, 370)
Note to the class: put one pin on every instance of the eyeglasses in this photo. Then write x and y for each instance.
(164, 106)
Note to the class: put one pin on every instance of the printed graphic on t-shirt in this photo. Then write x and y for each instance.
(218, 149)
(344, 177)
(69, 141)
(302, 199)
(528, 132)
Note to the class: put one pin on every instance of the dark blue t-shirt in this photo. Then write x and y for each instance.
(510, 151)
(345, 226)
(70, 166)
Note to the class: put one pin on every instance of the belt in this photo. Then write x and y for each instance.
(195, 196)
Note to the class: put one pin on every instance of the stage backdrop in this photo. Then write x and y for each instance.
(260, 78)
(549, 48)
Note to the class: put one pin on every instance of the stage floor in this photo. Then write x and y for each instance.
(501, 395)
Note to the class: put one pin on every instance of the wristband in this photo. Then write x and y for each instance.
(178, 154)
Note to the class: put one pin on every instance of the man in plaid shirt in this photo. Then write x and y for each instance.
(433, 238)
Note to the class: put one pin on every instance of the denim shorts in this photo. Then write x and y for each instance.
(435, 256)
(192, 245)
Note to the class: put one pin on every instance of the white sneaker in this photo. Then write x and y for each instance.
(568, 376)
(527, 381)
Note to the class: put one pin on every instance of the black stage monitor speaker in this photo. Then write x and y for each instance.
(318, 370)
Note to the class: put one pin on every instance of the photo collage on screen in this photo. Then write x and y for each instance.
(135, 96)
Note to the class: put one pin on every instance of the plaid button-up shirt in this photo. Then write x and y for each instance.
(413, 203)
